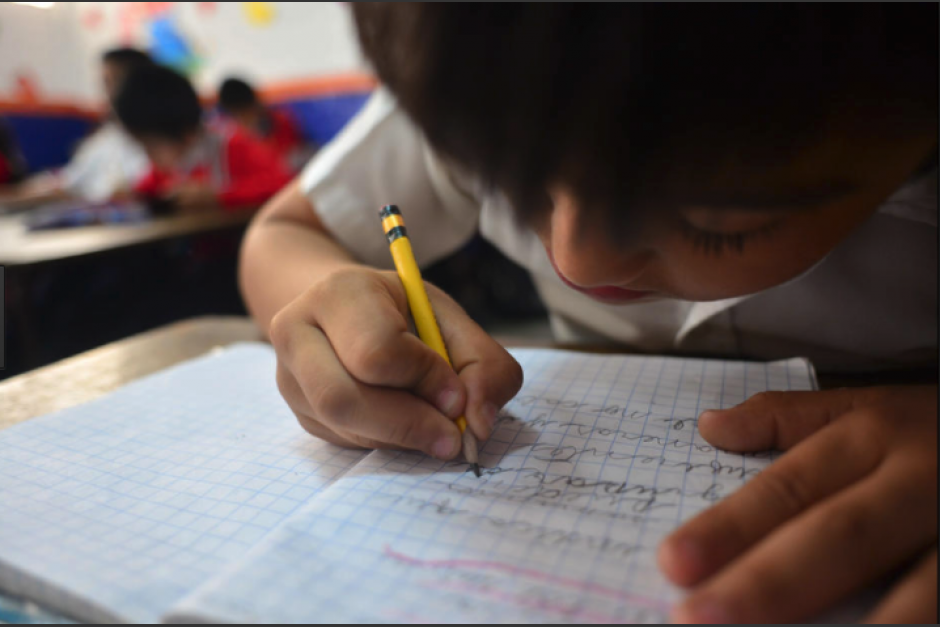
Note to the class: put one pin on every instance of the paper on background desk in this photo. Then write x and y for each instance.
(590, 467)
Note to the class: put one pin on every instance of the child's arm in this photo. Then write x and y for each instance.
(853, 499)
(38, 189)
(347, 364)
(193, 197)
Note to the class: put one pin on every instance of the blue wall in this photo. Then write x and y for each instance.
(48, 141)
(321, 119)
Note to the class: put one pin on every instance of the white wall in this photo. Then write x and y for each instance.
(43, 44)
(61, 46)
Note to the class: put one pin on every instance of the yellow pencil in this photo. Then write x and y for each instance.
(394, 226)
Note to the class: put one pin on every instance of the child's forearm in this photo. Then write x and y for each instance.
(33, 191)
(285, 252)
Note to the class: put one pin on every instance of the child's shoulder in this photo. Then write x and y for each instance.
(916, 200)
(234, 135)
(232, 139)
(243, 150)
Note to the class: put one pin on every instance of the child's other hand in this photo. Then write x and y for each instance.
(192, 197)
(354, 375)
(854, 499)
(123, 195)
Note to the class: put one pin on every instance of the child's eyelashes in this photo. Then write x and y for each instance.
(712, 243)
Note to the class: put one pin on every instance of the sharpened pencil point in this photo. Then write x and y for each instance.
(470, 451)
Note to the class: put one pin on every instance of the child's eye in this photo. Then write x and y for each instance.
(716, 243)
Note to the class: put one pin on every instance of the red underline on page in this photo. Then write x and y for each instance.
(529, 573)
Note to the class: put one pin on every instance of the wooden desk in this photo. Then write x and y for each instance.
(97, 372)
(19, 247)
(35, 260)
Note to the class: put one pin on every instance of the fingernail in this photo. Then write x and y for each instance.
(444, 447)
(708, 414)
(702, 611)
(449, 402)
(682, 560)
(690, 552)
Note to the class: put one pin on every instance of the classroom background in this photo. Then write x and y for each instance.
(74, 282)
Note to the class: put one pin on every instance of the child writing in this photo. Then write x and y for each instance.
(194, 166)
(737, 180)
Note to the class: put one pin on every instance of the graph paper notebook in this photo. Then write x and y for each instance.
(116, 509)
(590, 466)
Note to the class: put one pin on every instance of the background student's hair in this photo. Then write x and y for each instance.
(643, 104)
(236, 95)
(155, 101)
(127, 58)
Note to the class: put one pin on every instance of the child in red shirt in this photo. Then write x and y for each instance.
(195, 166)
(277, 129)
(282, 132)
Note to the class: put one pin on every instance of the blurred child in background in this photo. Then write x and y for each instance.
(239, 101)
(194, 166)
(107, 163)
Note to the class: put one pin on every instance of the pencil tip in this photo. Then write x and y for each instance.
(476, 469)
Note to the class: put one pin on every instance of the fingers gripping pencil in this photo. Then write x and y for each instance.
(394, 226)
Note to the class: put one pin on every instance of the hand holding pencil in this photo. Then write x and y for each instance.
(425, 321)
(355, 375)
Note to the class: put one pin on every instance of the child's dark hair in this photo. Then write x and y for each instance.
(128, 59)
(638, 104)
(236, 95)
(157, 102)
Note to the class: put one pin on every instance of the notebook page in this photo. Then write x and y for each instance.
(590, 466)
(116, 509)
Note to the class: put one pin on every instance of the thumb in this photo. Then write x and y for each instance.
(774, 420)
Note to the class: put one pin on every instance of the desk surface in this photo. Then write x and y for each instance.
(21, 247)
(95, 373)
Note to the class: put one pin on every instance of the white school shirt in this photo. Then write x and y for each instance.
(106, 162)
(870, 304)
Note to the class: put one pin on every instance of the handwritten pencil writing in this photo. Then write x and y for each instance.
(585, 473)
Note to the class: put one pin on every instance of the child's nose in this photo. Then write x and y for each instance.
(587, 256)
